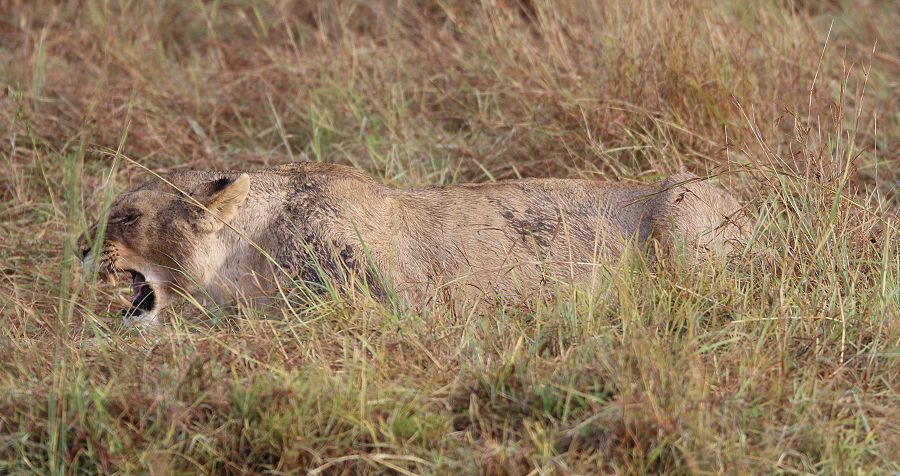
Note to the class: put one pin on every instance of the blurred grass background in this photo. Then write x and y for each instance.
(783, 361)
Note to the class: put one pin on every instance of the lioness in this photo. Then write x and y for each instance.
(230, 234)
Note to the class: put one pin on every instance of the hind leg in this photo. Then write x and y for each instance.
(697, 216)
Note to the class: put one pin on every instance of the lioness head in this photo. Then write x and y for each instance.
(158, 233)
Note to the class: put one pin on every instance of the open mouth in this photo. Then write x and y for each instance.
(142, 298)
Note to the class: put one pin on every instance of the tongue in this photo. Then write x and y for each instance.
(136, 292)
(137, 287)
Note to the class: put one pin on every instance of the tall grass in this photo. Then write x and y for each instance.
(782, 359)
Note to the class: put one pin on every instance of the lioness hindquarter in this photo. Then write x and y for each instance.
(231, 234)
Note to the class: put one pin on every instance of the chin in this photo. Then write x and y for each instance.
(143, 319)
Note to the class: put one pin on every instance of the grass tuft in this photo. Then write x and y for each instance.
(782, 359)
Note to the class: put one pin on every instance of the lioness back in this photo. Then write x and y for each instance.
(230, 234)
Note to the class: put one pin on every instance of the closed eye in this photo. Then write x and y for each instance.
(126, 220)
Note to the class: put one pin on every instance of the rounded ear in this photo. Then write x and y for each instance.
(227, 197)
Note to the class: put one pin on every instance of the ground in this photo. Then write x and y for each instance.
(781, 359)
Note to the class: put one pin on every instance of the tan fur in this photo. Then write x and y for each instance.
(322, 223)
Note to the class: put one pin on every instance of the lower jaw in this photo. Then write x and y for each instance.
(133, 312)
(140, 317)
